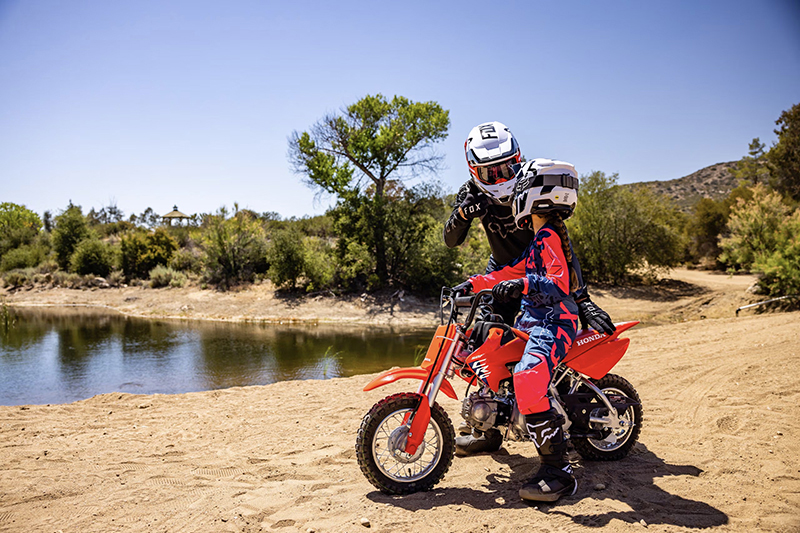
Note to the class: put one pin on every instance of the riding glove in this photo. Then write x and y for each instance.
(508, 290)
(463, 288)
(595, 318)
(473, 206)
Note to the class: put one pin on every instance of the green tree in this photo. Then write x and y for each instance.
(780, 267)
(616, 230)
(71, 228)
(752, 168)
(92, 256)
(319, 263)
(708, 220)
(18, 226)
(357, 153)
(708, 223)
(141, 252)
(286, 257)
(753, 226)
(784, 157)
(235, 247)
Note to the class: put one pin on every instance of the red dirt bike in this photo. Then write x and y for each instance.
(406, 442)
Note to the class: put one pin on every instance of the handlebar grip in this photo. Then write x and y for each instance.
(464, 301)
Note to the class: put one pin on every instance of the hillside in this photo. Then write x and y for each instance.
(715, 182)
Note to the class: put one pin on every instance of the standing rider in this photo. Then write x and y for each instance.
(492, 153)
(544, 279)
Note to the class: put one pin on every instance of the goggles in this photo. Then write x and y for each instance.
(497, 173)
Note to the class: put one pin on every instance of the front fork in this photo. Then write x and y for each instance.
(422, 416)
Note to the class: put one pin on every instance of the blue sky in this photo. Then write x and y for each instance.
(191, 103)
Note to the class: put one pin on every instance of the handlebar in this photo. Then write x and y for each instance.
(463, 301)
(459, 301)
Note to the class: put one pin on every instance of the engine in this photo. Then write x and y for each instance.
(484, 410)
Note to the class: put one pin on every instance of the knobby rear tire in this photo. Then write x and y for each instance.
(587, 449)
(367, 433)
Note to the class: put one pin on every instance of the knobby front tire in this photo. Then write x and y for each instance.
(381, 439)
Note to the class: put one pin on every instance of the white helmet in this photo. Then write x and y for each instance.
(492, 151)
(544, 186)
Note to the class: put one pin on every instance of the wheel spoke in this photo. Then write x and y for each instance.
(394, 463)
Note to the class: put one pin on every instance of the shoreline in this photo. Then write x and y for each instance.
(228, 320)
(685, 295)
(257, 304)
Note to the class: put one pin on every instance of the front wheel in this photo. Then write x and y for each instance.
(622, 432)
(381, 442)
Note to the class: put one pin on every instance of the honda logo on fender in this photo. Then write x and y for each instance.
(590, 339)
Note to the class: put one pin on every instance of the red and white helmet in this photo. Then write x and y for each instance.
(492, 151)
(544, 186)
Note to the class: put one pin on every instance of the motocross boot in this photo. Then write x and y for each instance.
(477, 442)
(554, 477)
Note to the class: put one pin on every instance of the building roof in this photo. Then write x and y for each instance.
(175, 213)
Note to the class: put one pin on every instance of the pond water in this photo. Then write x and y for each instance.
(60, 356)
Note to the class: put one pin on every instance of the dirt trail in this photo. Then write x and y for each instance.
(683, 295)
(719, 449)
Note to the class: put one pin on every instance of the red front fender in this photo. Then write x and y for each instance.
(390, 376)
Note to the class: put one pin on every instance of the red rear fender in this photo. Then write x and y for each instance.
(594, 354)
(390, 376)
(588, 339)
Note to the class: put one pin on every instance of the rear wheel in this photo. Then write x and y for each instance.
(621, 433)
(381, 442)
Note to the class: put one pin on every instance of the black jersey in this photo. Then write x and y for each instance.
(506, 240)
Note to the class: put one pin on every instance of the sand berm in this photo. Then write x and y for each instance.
(718, 449)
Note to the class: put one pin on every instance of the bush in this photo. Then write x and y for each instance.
(764, 238)
(235, 248)
(707, 222)
(18, 278)
(68, 280)
(319, 263)
(753, 225)
(71, 228)
(616, 230)
(355, 265)
(133, 248)
(286, 257)
(116, 278)
(26, 256)
(142, 252)
(780, 268)
(162, 276)
(18, 226)
(184, 260)
(92, 257)
(48, 266)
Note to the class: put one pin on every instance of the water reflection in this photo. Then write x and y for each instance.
(56, 356)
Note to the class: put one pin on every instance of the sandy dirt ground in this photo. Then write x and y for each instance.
(718, 449)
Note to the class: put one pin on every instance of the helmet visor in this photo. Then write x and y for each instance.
(497, 173)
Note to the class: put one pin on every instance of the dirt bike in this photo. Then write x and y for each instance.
(406, 442)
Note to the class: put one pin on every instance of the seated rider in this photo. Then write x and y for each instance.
(544, 278)
(492, 151)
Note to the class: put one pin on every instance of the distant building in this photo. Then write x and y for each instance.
(175, 215)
